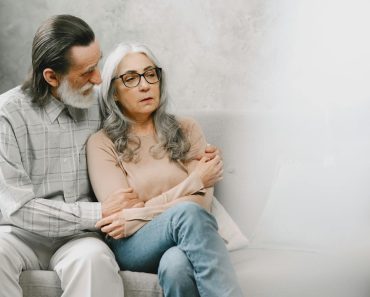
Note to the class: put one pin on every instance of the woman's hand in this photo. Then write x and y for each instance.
(209, 171)
(113, 225)
(210, 152)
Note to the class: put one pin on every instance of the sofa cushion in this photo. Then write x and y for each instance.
(41, 283)
(261, 272)
(36, 283)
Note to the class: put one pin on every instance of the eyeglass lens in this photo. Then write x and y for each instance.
(131, 80)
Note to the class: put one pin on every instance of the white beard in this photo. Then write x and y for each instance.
(76, 98)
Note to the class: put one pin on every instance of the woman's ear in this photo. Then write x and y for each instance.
(51, 77)
(115, 98)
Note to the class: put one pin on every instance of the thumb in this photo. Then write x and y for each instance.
(127, 190)
(124, 190)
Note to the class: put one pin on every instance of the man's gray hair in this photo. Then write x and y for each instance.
(51, 49)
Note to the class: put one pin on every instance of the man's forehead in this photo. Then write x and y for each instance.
(85, 56)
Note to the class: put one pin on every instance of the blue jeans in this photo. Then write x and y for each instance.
(181, 245)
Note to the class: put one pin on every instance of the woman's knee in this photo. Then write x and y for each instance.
(188, 209)
(174, 266)
(192, 213)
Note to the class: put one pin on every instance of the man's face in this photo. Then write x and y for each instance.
(76, 87)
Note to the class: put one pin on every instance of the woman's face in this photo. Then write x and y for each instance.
(141, 101)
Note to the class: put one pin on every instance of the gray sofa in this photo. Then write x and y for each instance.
(284, 209)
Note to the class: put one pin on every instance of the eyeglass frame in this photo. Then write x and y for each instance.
(158, 71)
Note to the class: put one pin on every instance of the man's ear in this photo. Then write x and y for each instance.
(51, 77)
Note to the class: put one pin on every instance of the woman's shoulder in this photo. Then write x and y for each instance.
(187, 123)
(99, 138)
(192, 130)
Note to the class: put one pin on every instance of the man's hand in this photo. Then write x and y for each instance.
(120, 199)
(210, 152)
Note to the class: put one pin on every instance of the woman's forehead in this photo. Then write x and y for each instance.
(137, 62)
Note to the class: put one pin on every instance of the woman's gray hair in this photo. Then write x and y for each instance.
(117, 125)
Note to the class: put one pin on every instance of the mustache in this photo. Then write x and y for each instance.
(86, 87)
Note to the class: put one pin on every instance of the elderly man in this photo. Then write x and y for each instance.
(47, 213)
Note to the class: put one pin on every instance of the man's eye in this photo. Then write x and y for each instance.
(88, 72)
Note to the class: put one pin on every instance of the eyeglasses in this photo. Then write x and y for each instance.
(132, 79)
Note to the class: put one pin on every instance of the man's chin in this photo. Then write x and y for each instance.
(88, 92)
(84, 102)
(81, 99)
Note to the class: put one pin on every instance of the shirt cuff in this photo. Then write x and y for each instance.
(195, 183)
(90, 213)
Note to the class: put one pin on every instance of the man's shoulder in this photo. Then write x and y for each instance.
(13, 99)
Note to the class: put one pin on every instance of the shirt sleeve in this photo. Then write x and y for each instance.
(19, 205)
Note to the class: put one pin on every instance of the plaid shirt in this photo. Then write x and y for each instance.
(44, 185)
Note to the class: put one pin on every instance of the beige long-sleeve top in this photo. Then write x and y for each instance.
(159, 182)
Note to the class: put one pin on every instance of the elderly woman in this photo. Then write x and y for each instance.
(143, 151)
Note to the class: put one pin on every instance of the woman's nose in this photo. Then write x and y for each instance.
(143, 84)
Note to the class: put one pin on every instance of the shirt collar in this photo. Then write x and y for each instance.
(76, 114)
(55, 107)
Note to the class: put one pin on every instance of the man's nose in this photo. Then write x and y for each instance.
(96, 77)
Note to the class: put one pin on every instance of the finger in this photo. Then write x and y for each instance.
(215, 160)
(103, 222)
(132, 203)
(130, 196)
(137, 205)
(210, 148)
(219, 165)
(108, 228)
(198, 157)
(211, 156)
(204, 159)
(120, 236)
(124, 190)
(116, 232)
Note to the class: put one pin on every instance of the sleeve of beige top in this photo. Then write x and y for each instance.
(136, 218)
